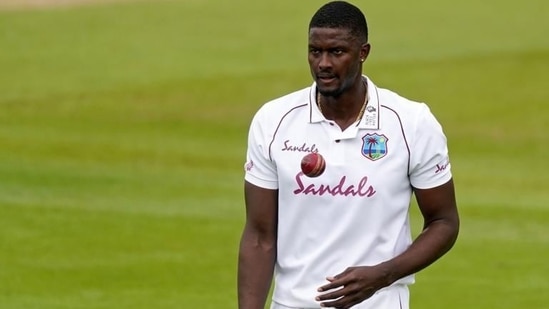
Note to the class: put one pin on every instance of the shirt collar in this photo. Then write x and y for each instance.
(370, 119)
(314, 112)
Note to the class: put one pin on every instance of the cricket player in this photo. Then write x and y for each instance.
(342, 239)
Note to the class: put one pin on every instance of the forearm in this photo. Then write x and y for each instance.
(434, 241)
(255, 271)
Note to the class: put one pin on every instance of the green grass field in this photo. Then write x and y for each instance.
(123, 131)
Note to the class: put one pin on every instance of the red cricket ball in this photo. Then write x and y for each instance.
(313, 164)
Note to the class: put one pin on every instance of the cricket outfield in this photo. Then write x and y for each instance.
(123, 131)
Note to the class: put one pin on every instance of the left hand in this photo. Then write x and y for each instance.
(352, 286)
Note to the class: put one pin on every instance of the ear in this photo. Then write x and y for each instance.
(364, 51)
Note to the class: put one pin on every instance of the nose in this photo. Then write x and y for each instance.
(324, 61)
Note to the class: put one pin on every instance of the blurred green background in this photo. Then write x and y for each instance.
(123, 130)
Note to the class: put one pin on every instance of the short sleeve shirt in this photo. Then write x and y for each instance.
(356, 212)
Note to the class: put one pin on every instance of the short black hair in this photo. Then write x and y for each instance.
(341, 14)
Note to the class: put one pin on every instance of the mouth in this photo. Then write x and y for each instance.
(325, 78)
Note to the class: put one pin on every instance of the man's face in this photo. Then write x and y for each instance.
(335, 59)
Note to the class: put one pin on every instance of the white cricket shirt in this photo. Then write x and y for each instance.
(356, 212)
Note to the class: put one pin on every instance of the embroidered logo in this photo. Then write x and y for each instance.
(342, 188)
(374, 146)
(441, 167)
(288, 146)
(249, 165)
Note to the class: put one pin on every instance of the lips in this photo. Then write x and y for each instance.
(325, 78)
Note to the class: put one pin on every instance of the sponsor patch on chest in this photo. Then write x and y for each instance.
(298, 147)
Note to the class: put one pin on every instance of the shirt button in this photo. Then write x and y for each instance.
(338, 140)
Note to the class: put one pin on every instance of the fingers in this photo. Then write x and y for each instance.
(332, 295)
(330, 286)
(342, 303)
(344, 290)
(334, 299)
(337, 298)
(342, 299)
(335, 281)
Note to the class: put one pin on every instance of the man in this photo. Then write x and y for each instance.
(342, 239)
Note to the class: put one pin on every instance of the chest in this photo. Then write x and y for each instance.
(355, 158)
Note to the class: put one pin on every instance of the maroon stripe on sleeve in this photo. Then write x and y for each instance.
(403, 134)
(278, 126)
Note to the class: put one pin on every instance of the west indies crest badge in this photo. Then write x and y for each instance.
(374, 146)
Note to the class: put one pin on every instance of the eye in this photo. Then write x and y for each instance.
(314, 51)
(337, 51)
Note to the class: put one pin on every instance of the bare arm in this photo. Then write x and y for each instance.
(440, 230)
(257, 253)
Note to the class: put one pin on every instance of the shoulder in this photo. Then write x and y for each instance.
(412, 115)
(391, 103)
(403, 106)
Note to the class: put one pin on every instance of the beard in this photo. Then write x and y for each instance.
(332, 92)
(335, 93)
(338, 87)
